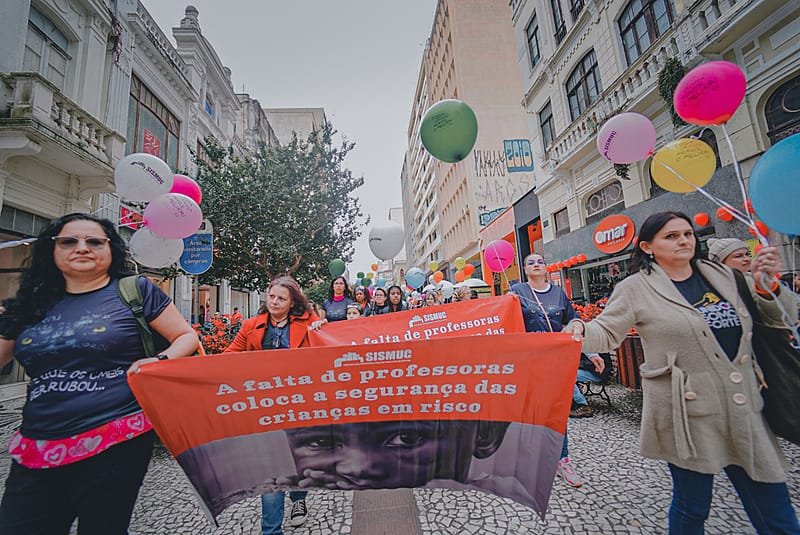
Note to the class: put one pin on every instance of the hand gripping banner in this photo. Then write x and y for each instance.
(476, 412)
(490, 316)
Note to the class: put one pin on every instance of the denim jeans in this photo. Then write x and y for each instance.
(272, 510)
(767, 504)
(583, 377)
(565, 445)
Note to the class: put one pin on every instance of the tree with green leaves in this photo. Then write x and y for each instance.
(284, 210)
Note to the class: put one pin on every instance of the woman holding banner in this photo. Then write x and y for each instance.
(702, 405)
(85, 444)
(284, 325)
(546, 308)
(396, 303)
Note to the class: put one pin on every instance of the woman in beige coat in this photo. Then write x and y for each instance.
(702, 406)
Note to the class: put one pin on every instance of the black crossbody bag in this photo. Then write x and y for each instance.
(780, 363)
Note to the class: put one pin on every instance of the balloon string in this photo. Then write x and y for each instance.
(745, 199)
(15, 243)
(719, 202)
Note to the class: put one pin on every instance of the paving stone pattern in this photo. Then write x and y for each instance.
(623, 493)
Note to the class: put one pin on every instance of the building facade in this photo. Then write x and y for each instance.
(470, 56)
(583, 61)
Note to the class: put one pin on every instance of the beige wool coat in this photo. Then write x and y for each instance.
(701, 411)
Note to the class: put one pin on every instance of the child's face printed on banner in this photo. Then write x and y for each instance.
(391, 454)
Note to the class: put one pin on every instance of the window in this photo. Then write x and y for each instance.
(641, 23)
(532, 34)
(151, 126)
(583, 85)
(558, 21)
(575, 8)
(46, 49)
(783, 110)
(561, 220)
(209, 106)
(606, 201)
(546, 124)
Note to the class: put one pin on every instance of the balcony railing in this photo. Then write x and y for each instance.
(38, 104)
(637, 80)
(710, 17)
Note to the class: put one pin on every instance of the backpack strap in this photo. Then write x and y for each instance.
(131, 295)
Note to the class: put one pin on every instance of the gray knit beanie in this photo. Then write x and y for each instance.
(719, 249)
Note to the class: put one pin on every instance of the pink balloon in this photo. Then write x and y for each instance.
(626, 138)
(186, 186)
(499, 255)
(173, 216)
(710, 93)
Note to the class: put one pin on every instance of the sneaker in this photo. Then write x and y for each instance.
(298, 514)
(581, 411)
(566, 470)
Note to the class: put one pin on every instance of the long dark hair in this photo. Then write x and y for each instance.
(42, 284)
(347, 292)
(365, 291)
(640, 261)
(300, 304)
(392, 307)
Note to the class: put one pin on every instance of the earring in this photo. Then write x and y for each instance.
(652, 257)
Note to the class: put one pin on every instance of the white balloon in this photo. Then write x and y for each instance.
(447, 289)
(386, 240)
(154, 251)
(142, 177)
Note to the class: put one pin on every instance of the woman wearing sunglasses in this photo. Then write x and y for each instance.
(284, 325)
(546, 308)
(85, 444)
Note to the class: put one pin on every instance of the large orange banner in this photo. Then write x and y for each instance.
(486, 413)
(491, 316)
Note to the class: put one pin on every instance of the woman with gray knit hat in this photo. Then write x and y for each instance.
(730, 251)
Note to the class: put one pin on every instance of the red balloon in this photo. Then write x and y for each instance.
(581, 258)
(701, 219)
(763, 229)
(468, 270)
(559, 265)
(723, 214)
(186, 186)
(460, 276)
(749, 207)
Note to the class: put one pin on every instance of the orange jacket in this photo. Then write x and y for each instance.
(251, 334)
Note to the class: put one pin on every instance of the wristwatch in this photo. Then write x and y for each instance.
(162, 356)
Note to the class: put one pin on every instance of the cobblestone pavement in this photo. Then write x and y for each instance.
(623, 493)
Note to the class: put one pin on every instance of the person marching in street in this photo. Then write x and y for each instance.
(702, 405)
(546, 308)
(732, 252)
(334, 308)
(396, 303)
(362, 298)
(284, 325)
(379, 304)
(84, 445)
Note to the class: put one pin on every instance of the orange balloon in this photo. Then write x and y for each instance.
(763, 229)
(701, 219)
(559, 265)
(581, 258)
(469, 269)
(374, 267)
(749, 207)
(724, 214)
(438, 276)
(460, 276)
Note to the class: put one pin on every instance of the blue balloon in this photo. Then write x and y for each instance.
(415, 277)
(775, 186)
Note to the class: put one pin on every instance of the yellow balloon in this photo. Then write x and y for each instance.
(693, 160)
(460, 262)
(369, 275)
(433, 265)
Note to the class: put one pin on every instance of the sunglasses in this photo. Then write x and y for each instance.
(534, 261)
(71, 242)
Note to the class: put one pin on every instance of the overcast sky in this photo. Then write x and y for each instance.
(358, 59)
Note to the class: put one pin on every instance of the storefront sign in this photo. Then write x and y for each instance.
(614, 233)
(198, 250)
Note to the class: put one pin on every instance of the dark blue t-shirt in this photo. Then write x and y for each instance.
(554, 302)
(336, 310)
(77, 358)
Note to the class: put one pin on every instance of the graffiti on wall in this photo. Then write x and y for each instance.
(489, 163)
(501, 177)
(519, 158)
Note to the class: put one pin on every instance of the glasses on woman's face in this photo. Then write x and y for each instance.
(71, 242)
(534, 261)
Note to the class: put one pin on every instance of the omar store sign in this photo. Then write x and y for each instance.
(614, 233)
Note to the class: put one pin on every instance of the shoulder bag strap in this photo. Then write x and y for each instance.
(131, 295)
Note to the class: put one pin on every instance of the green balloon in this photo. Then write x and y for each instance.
(449, 130)
(366, 282)
(360, 275)
(336, 267)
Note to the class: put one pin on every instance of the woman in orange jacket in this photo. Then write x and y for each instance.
(284, 325)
